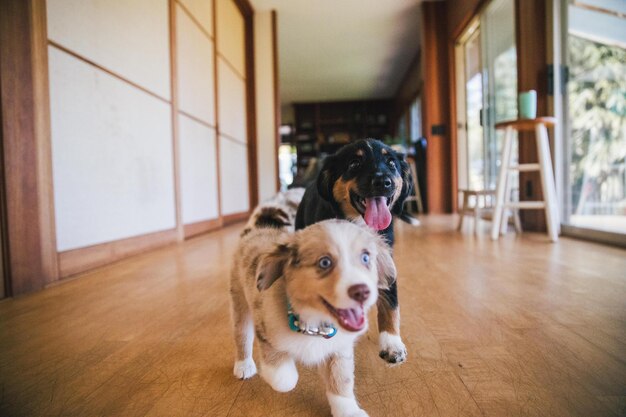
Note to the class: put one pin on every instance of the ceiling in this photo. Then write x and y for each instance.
(343, 49)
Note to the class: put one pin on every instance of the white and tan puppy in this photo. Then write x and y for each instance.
(306, 296)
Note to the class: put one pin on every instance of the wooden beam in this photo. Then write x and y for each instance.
(180, 231)
(26, 145)
(218, 139)
(277, 113)
(531, 39)
(454, 148)
(435, 111)
(253, 179)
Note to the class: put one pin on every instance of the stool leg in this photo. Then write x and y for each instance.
(517, 220)
(547, 182)
(418, 195)
(502, 179)
(462, 212)
(476, 214)
(507, 199)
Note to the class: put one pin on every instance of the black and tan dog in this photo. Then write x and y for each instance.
(365, 181)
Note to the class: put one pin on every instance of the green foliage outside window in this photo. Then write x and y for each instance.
(597, 105)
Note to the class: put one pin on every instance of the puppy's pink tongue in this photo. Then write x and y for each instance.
(377, 215)
(352, 319)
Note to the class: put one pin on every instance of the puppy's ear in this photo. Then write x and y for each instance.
(386, 267)
(327, 177)
(407, 184)
(272, 266)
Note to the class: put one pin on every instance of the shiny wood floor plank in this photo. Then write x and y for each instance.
(518, 327)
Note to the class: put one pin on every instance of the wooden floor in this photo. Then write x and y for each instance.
(519, 327)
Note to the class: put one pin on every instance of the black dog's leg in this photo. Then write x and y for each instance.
(391, 347)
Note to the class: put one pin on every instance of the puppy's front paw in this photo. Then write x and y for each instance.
(344, 406)
(282, 378)
(355, 413)
(244, 369)
(392, 349)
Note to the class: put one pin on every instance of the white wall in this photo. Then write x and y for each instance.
(196, 81)
(198, 163)
(266, 113)
(130, 38)
(112, 135)
(231, 92)
(111, 142)
(198, 171)
(111, 156)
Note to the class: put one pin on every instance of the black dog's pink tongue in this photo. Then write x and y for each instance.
(352, 319)
(377, 215)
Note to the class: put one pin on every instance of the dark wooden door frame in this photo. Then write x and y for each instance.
(4, 273)
(25, 107)
(253, 176)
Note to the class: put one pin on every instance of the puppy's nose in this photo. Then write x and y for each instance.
(381, 181)
(360, 292)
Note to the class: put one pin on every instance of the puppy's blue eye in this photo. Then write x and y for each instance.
(354, 164)
(365, 258)
(325, 262)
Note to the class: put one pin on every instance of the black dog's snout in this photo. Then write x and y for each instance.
(359, 292)
(381, 181)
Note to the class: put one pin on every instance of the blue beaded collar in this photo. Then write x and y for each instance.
(326, 330)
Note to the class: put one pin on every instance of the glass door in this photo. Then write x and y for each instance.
(471, 156)
(474, 102)
(499, 58)
(486, 59)
(595, 141)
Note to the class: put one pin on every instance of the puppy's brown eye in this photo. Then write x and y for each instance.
(354, 164)
(391, 163)
(325, 262)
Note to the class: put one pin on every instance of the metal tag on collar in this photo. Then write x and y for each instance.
(326, 330)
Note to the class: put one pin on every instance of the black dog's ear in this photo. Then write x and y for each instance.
(407, 184)
(327, 177)
(272, 266)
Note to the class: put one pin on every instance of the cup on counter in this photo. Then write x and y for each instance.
(527, 104)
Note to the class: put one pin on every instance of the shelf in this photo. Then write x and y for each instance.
(327, 126)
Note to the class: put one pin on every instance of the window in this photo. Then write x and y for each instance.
(595, 141)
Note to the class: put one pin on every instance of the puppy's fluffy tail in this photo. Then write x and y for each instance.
(267, 216)
(271, 217)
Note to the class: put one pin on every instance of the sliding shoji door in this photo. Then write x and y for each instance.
(231, 90)
(110, 105)
(198, 163)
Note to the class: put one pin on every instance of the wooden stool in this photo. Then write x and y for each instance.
(544, 166)
(476, 210)
(484, 211)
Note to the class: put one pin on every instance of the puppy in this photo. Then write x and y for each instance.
(306, 296)
(366, 182)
